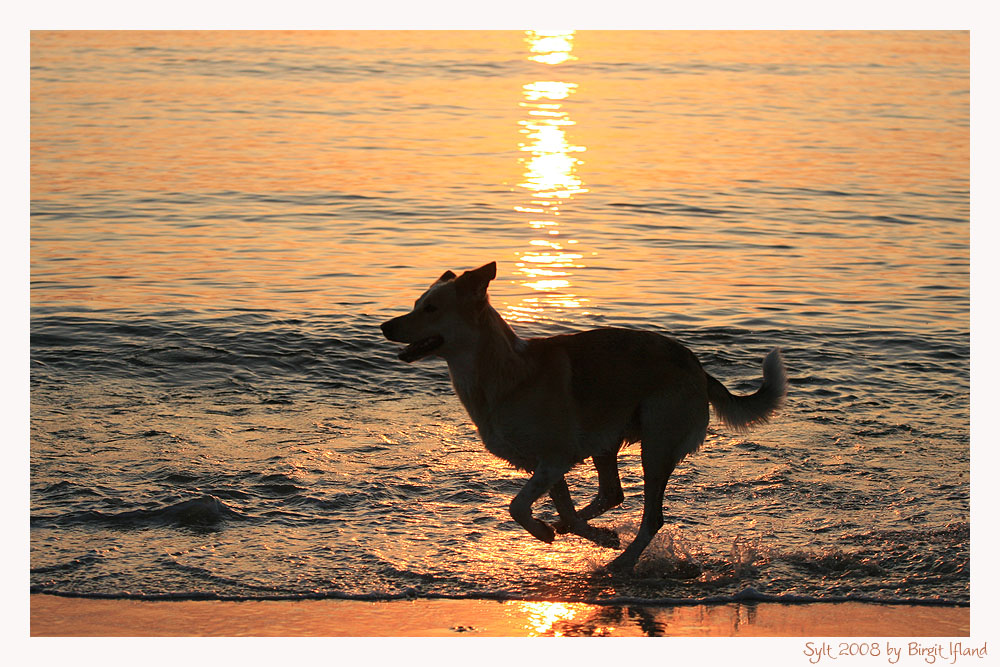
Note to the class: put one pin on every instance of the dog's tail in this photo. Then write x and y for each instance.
(743, 412)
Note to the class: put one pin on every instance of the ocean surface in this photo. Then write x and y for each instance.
(220, 222)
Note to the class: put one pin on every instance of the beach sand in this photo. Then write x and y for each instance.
(65, 616)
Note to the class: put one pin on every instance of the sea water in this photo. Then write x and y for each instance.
(220, 222)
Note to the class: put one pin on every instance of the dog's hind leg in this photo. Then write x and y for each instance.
(541, 481)
(670, 430)
(654, 485)
(609, 493)
(609, 486)
(570, 521)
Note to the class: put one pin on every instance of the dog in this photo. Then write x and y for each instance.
(546, 404)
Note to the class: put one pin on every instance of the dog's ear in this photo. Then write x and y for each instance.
(445, 277)
(476, 281)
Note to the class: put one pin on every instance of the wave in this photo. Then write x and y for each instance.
(206, 510)
(250, 353)
(266, 356)
(745, 596)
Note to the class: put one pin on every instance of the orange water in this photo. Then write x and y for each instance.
(799, 172)
(220, 222)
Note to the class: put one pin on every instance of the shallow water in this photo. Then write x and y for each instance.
(220, 221)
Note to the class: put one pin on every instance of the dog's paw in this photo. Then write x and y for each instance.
(604, 537)
(542, 531)
(562, 527)
(621, 565)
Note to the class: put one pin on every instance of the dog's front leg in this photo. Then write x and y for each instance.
(520, 508)
(571, 522)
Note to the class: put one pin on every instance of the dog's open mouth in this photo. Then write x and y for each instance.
(421, 348)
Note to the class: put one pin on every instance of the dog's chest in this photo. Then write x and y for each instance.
(500, 437)
(524, 417)
(508, 447)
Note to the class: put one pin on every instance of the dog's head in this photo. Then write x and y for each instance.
(443, 318)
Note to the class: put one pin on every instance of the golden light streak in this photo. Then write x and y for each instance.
(550, 90)
(542, 616)
(550, 47)
(550, 175)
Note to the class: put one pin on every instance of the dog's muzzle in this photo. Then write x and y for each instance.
(414, 350)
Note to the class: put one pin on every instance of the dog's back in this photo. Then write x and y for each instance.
(613, 370)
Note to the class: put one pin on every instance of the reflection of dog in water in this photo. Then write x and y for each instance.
(546, 404)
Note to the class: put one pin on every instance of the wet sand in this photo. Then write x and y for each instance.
(63, 616)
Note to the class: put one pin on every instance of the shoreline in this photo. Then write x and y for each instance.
(58, 616)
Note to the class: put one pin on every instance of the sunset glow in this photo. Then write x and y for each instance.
(550, 47)
(550, 176)
(223, 223)
(540, 617)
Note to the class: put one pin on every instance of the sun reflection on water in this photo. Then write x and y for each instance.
(541, 617)
(551, 179)
(550, 47)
